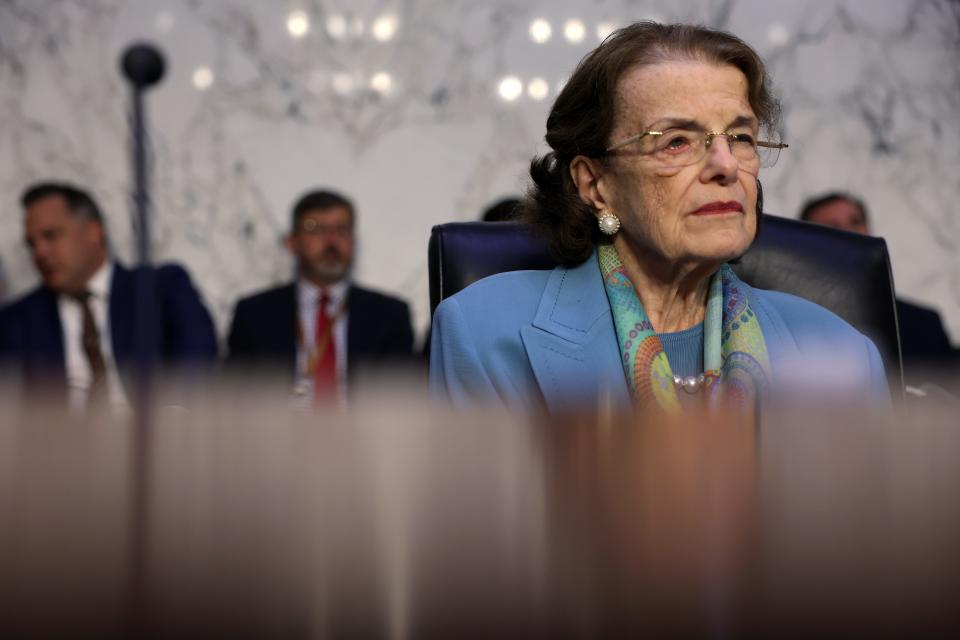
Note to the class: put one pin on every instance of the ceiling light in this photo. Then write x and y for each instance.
(298, 23)
(604, 29)
(202, 78)
(382, 83)
(540, 31)
(384, 28)
(538, 89)
(574, 30)
(510, 88)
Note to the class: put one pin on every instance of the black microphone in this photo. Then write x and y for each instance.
(142, 64)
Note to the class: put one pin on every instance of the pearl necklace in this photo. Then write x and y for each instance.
(690, 384)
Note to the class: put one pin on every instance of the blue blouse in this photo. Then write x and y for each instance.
(684, 350)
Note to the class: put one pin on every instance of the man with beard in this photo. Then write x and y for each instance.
(320, 330)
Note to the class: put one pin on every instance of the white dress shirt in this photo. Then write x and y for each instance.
(79, 372)
(308, 297)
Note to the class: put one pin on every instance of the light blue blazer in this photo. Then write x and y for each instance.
(530, 339)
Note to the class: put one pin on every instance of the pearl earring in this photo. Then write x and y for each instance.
(609, 223)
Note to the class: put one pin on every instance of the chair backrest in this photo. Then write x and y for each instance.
(844, 272)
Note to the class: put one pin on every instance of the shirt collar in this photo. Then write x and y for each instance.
(99, 283)
(309, 293)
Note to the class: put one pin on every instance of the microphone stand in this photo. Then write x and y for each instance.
(143, 66)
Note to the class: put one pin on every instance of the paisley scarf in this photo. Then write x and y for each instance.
(734, 352)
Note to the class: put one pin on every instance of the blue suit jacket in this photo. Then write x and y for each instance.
(31, 336)
(528, 338)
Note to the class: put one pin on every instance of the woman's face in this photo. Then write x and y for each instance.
(701, 213)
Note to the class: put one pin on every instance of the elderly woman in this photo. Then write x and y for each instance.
(650, 189)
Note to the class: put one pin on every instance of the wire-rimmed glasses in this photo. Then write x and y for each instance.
(681, 146)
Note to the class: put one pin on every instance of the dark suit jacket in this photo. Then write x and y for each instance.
(923, 341)
(263, 332)
(181, 331)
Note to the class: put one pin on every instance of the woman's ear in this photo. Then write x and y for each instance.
(587, 174)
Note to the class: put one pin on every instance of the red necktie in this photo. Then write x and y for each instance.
(325, 365)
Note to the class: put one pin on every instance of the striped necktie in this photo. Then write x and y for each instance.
(90, 339)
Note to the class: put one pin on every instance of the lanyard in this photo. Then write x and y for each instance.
(322, 342)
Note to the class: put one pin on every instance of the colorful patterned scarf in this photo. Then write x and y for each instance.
(734, 352)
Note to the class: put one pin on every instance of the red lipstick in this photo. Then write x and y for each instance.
(713, 208)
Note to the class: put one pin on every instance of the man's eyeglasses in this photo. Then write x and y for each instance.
(314, 228)
(680, 147)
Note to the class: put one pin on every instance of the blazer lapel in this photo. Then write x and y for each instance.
(45, 343)
(287, 318)
(781, 345)
(572, 344)
(121, 314)
(357, 327)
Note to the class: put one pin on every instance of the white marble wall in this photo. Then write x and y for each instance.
(250, 115)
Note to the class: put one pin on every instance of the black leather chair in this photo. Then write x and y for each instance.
(845, 272)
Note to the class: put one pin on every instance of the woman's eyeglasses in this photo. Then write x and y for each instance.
(679, 147)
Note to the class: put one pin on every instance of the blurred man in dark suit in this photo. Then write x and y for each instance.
(321, 329)
(923, 341)
(73, 336)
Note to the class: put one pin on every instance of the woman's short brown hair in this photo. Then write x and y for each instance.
(582, 118)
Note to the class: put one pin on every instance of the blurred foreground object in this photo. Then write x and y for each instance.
(400, 521)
